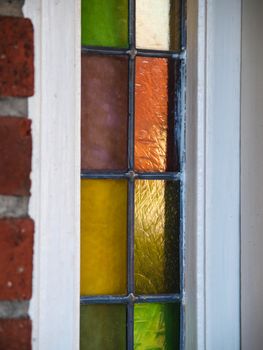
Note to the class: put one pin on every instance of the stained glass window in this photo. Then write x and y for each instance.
(132, 175)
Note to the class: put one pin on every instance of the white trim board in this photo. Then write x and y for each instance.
(222, 175)
(195, 174)
(251, 176)
(55, 111)
(213, 175)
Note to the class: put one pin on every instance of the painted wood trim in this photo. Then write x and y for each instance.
(213, 175)
(54, 205)
(222, 175)
(195, 176)
(251, 176)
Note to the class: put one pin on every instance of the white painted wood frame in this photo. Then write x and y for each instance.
(213, 175)
(251, 176)
(212, 167)
(55, 202)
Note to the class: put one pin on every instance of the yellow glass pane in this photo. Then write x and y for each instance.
(156, 237)
(103, 237)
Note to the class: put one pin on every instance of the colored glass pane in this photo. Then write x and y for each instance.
(103, 236)
(155, 149)
(104, 23)
(158, 24)
(104, 114)
(102, 327)
(156, 326)
(157, 221)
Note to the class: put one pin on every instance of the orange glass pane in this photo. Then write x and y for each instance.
(154, 117)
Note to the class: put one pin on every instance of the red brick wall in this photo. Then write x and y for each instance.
(16, 228)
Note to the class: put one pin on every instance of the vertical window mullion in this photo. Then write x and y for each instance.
(182, 120)
(130, 264)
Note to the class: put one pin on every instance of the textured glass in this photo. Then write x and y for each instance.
(104, 23)
(103, 237)
(104, 112)
(156, 326)
(158, 24)
(157, 221)
(102, 327)
(155, 149)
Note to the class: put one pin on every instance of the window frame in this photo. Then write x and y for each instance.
(54, 205)
(55, 200)
(212, 141)
(176, 57)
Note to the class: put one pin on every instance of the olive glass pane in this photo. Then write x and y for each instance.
(104, 23)
(157, 223)
(102, 327)
(104, 112)
(158, 24)
(103, 237)
(155, 148)
(157, 326)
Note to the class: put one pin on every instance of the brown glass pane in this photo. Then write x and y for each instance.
(155, 148)
(104, 115)
(157, 227)
(103, 327)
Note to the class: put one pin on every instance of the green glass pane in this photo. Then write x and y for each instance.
(104, 23)
(157, 227)
(102, 327)
(156, 326)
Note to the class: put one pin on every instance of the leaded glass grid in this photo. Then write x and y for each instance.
(178, 58)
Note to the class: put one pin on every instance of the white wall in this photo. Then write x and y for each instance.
(252, 176)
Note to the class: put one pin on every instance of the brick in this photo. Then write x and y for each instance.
(16, 242)
(16, 57)
(15, 160)
(15, 334)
